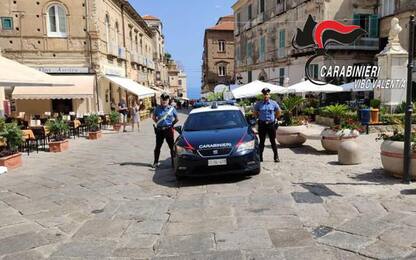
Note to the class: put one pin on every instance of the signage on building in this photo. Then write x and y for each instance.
(64, 70)
(114, 71)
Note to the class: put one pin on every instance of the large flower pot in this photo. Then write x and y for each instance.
(375, 114)
(332, 139)
(58, 146)
(289, 136)
(117, 127)
(94, 135)
(392, 159)
(12, 161)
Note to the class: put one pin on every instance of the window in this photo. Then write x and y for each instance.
(261, 6)
(281, 76)
(221, 70)
(314, 70)
(215, 120)
(179, 82)
(250, 12)
(262, 48)
(282, 39)
(250, 76)
(250, 51)
(238, 20)
(107, 30)
(116, 32)
(368, 22)
(137, 43)
(57, 21)
(221, 46)
(237, 54)
(7, 23)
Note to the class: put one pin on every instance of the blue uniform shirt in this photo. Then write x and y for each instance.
(160, 111)
(267, 110)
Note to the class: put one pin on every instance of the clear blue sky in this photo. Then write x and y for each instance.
(184, 26)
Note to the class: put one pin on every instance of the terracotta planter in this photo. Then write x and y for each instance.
(12, 161)
(289, 136)
(392, 159)
(331, 139)
(375, 115)
(59, 146)
(117, 127)
(94, 135)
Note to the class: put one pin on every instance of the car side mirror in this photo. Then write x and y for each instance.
(178, 129)
(252, 122)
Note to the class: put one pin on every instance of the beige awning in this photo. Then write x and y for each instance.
(83, 87)
(15, 74)
(132, 86)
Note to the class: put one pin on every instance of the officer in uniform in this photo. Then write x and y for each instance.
(267, 111)
(165, 117)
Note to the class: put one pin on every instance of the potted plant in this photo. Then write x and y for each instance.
(57, 129)
(391, 151)
(310, 112)
(336, 112)
(288, 133)
(115, 120)
(93, 124)
(11, 134)
(375, 111)
(332, 137)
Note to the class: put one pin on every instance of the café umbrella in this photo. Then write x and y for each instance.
(254, 88)
(307, 86)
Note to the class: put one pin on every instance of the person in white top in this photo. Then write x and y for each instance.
(136, 115)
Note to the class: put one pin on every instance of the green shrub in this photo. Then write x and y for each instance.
(93, 122)
(57, 128)
(289, 105)
(114, 117)
(336, 111)
(309, 111)
(13, 136)
(375, 103)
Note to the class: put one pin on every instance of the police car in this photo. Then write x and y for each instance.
(216, 140)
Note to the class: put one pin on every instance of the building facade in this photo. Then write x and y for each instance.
(177, 80)
(218, 56)
(97, 38)
(264, 30)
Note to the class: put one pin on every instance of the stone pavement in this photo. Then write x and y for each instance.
(100, 200)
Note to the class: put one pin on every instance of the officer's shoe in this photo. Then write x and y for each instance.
(276, 160)
(156, 165)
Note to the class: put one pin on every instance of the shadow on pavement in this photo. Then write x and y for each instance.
(307, 149)
(408, 192)
(138, 164)
(378, 176)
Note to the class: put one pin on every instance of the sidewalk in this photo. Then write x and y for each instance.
(101, 200)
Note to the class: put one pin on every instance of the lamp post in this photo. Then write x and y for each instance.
(409, 105)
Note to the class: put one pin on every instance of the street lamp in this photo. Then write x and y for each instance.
(409, 105)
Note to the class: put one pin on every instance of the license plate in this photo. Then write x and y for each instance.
(217, 162)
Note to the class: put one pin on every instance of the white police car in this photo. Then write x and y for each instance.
(216, 140)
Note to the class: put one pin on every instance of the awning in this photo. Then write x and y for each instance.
(254, 88)
(15, 74)
(132, 86)
(83, 87)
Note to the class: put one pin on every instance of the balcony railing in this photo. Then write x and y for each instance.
(112, 49)
(134, 57)
(281, 53)
(365, 43)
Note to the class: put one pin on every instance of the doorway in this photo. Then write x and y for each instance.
(62, 106)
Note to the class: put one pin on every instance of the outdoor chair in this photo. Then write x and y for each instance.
(40, 136)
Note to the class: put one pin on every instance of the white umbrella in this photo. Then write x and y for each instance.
(351, 87)
(307, 86)
(254, 88)
(15, 74)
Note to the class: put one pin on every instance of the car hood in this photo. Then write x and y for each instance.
(215, 138)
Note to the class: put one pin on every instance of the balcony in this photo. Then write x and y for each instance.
(281, 53)
(122, 53)
(260, 18)
(363, 44)
(134, 57)
(112, 50)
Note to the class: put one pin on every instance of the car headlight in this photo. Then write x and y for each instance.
(247, 146)
(184, 150)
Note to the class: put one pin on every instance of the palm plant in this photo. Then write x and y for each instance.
(114, 118)
(57, 128)
(13, 136)
(336, 112)
(289, 105)
(93, 123)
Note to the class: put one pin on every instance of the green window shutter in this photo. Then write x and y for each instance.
(373, 26)
(356, 19)
(282, 39)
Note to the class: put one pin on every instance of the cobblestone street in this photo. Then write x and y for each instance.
(101, 200)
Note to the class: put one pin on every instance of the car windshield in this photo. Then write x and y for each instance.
(215, 120)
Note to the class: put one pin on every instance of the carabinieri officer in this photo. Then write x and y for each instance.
(267, 111)
(165, 117)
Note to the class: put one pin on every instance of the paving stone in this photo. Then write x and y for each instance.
(345, 241)
(102, 229)
(282, 238)
(26, 255)
(383, 250)
(366, 226)
(310, 252)
(269, 222)
(205, 226)
(196, 243)
(400, 236)
(247, 239)
(21, 242)
(97, 249)
(306, 197)
(219, 255)
(264, 255)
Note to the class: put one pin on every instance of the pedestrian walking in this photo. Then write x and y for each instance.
(136, 115)
(165, 117)
(267, 111)
(124, 112)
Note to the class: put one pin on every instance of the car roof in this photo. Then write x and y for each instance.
(210, 109)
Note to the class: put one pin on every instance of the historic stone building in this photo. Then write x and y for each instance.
(177, 80)
(264, 30)
(218, 56)
(105, 40)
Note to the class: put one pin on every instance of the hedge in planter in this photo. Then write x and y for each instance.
(13, 136)
(93, 124)
(115, 120)
(58, 129)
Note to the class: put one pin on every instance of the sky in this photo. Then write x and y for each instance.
(184, 24)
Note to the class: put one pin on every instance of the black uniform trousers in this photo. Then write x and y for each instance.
(163, 134)
(268, 129)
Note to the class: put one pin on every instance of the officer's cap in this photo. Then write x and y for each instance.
(164, 96)
(265, 91)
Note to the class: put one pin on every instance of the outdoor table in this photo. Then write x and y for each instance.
(28, 135)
